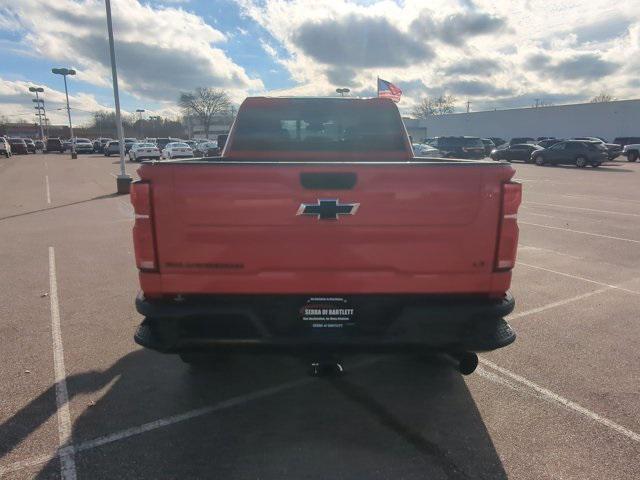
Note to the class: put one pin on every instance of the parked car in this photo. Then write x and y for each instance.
(425, 150)
(112, 148)
(207, 149)
(54, 145)
(66, 145)
(538, 139)
(613, 149)
(143, 150)
(163, 142)
(518, 151)
(459, 147)
(83, 145)
(99, 143)
(177, 150)
(571, 152)
(5, 147)
(18, 146)
(632, 151)
(31, 146)
(497, 141)
(520, 140)
(128, 143)
(548, 142)
(40, 145)
(622, 141)
(488, 146)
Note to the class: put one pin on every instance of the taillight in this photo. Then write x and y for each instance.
(143, 238)
(508, 228)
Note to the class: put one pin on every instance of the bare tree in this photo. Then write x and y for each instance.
(602, 97)
(434, 106)
(205, 103)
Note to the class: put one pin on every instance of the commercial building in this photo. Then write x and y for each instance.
(607, 120)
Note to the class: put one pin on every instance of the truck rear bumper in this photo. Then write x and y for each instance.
(273, 323)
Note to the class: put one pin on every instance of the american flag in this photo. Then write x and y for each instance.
(388, 90)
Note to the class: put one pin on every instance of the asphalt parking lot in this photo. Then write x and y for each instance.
(81, 400)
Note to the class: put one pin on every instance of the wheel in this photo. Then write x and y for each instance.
(596, 164)
(581, 161)
(632, 157)
(539, 160)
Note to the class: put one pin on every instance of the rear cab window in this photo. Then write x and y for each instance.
(309, 125)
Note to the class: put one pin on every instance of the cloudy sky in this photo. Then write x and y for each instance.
(494, 53)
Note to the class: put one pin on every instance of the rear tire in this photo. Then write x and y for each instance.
(632, 157)
(581, 161)
(596, 164)
(539, 160)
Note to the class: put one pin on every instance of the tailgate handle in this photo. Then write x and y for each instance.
(328, 180)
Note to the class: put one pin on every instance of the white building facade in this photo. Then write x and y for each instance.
(607, 120)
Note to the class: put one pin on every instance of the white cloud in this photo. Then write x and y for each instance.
(16, 102)
(160, 50)
(474, 49)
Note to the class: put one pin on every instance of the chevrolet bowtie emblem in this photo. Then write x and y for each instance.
(328, 209)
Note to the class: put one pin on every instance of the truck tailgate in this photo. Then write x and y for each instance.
(234, 227)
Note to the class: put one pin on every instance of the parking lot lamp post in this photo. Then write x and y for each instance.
(140, 112)
(36, 90)
(64, 72)
(123, 181)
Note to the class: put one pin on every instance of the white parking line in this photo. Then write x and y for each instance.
(606, 199)
(608, 212)
(46, 181)
(559, 303)
(580, 232)
(167, 421)
(553, 397)
(67, 459)
(584, 279)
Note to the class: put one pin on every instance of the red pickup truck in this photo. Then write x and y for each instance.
(318, 229)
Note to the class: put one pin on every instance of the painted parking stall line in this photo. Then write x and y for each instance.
(580, 232)
(552, 397)
(569, 207)
(66, 453)
(48, 189)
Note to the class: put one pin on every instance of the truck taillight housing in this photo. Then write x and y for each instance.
(508, 227)
(143, 238)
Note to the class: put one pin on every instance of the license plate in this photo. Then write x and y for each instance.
(328, 314)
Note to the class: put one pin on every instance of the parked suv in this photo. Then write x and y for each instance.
(54, 145)
(572, 152)
(459, 147)
(31, 147)
(111, 148)
(5, 148)
(18, 146)
(622, 141)
(613, 149)
(521, 140)
(631, 151)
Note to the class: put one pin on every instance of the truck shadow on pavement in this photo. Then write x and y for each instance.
(390, 417)
(93, 199)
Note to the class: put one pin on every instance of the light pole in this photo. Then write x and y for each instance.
(140, 112)
(342, 91)
(37, 90)
(123, 181)
(64, 72)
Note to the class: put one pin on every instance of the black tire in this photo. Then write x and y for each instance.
(581, 161)
(539, 160)
(596, 164)
(632, 156)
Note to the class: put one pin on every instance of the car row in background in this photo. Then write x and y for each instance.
(563, 152)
